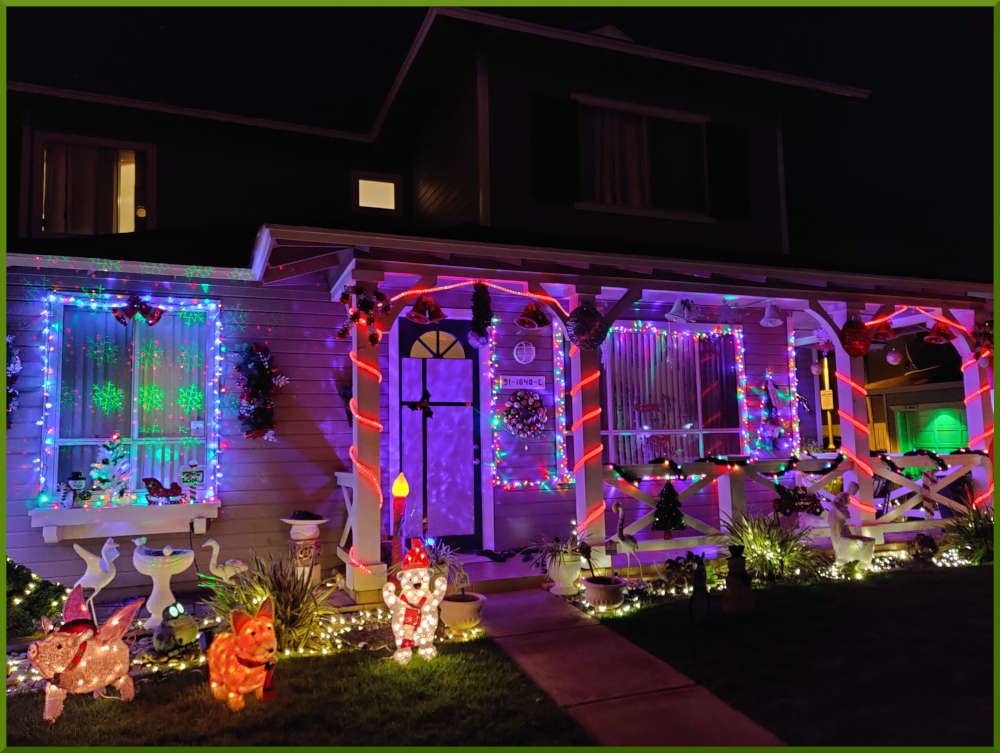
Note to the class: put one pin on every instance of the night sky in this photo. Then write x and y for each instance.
(909, 172)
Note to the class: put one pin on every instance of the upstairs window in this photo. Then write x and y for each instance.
(85, 186)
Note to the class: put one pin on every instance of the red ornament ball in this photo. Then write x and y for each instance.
(855, 337)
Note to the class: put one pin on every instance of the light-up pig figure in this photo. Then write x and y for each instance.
(77, 657)
(415, 610)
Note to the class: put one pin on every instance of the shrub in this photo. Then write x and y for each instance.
(772, 552)
(972, 535)
(300, 608)
(45, 599)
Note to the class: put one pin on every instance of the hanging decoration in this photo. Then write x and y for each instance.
(821, 341)
(415, 610)
(855, 337)
(426, 311)
(668, 516)
(586, 327)
(482, 315)
(258, 380)
(982, 349)
(14, 367)
(893, 357)
(365, 313)
(79, 658)
(524, 416)
(882, 331)
(771, 428)
(939, 334)
(532, 317)
(423, 405)
(243, 661)
(110, 474)
(150, 314)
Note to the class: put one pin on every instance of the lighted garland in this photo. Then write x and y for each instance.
(524, 415)
(258, 380)
(14, 367)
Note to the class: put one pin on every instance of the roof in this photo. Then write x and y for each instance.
(944, 375)
(310, 44)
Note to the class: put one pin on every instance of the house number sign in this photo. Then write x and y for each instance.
(522, 382)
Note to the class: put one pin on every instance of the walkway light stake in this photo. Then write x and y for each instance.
(400, 491)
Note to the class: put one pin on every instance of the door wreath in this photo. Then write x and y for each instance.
(524, 415)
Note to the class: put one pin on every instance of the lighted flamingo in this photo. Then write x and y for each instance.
(226, 570)
(628, 543)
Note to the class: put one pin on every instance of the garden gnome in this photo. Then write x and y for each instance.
(415, 611)
(738, 596)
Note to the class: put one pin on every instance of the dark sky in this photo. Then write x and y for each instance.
(910, 170)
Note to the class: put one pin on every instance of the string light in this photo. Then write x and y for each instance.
(983, 497)
(594, 514)
(853, 421)
(793, 391)
(854, 385)
(943, 320)
(982, 437)
(593, 376)
(440, 288)
(592, 453)
(588, 416)
(370, 368)
(887, 317)
(857, 461)
(367, 473)
(986, 387)
(368, 421)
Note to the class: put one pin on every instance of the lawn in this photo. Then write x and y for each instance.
(901, 658)
(472, 694)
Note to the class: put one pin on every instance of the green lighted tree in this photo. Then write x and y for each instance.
(110, 472)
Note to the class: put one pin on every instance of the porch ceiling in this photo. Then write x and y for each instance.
(287, 254)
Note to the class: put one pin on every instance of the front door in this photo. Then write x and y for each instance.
(439, 429)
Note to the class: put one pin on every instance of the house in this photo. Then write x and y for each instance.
(587, 183)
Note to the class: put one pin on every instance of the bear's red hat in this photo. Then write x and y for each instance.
(416, 558)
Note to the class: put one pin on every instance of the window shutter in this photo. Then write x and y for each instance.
(555, 151)
(728, 171)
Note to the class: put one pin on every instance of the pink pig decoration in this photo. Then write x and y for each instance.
(77, 657)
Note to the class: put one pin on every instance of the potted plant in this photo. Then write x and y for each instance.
(602, 591)
(461, 610)
(561, 560)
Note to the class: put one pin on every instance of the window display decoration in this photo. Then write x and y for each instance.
(365, 313)
(110, 474)
(197, 310)
(108, 398)
(77, 657)
(73, 492)
(586, 327)
(243, 661)
(158, 495)
(524, 416)
(150, 314)
(102, 350)
(415, 610)
(562, 476)
(258, 380)
(14, 367)
(482, 315)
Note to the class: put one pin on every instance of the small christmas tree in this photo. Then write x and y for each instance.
(111, 472)
(668, 516)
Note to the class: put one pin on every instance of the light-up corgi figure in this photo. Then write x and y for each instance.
(243, 661)
(415, 610)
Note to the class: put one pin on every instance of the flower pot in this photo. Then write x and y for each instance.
(606, 591)
(564, 570)
(462, 611)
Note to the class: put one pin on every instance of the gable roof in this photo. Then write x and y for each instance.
(368, 115)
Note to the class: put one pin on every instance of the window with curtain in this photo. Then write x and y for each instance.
(670, 393)
(153, 385)
(86, 186)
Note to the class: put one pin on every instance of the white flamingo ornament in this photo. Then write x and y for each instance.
(227, 569)
(100, 570)
(628, 543)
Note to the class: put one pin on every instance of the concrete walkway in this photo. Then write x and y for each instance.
(619, 693)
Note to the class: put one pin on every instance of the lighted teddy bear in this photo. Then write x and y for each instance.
(415, 610)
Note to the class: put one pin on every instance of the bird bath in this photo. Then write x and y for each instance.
(160, 565)
(306, 546)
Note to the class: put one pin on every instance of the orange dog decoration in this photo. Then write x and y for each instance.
(243, 660)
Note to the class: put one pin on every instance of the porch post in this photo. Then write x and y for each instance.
(978, 407)
(367, 537)
(585, 392)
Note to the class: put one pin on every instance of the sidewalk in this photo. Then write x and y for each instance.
(619, 693)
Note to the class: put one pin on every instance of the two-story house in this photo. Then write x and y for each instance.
(581, 247)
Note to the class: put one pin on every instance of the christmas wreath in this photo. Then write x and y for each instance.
(258, 380)
(524, 415)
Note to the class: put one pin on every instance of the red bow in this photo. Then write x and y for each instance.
(135, 306)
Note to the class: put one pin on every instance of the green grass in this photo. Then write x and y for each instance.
(471, 694)
(902, 658)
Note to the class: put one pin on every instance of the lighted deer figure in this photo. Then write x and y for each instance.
(77, 657)
(628, 543)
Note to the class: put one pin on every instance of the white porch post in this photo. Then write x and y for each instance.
(367, 537)
(978, 407)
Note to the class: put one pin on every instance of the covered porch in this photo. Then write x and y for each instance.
(573, 474)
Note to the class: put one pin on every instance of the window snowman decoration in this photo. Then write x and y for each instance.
(415, 610)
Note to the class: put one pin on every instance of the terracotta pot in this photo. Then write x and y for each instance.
(606, 591)
(564, 571)
(462, 611)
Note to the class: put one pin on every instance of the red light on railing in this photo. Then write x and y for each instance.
(594, 413)
(854, 385)
(589, 379)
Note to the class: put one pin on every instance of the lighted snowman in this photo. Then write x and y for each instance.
(415, 610)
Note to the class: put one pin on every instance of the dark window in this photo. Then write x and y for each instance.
(89, 187)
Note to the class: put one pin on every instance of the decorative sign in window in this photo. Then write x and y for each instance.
(522, 382)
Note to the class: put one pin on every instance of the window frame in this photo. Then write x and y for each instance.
(57, 304)
(38, 143)
(609, 434)
(395, 179)
(645, 112)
